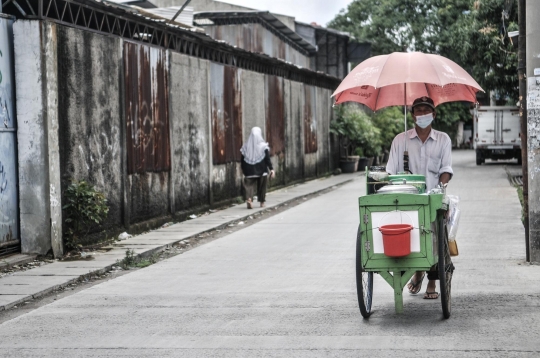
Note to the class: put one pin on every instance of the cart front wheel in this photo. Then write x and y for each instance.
(446, 268)
(364, 280)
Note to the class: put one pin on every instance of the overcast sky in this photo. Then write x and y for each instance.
(319, 11)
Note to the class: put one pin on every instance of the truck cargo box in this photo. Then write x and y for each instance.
(497, 134)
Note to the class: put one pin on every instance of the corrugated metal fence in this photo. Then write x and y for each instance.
(147, 109)
(226, 109)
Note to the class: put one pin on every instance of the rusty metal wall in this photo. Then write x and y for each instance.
(310, 119)
(294, 131)
(226, 118)
(9, 209)
(255, 38)
(146, 102)
(275, 125)
(275, 114)
(324, 108)
(226, 110)
(147, 131)
(310, 132)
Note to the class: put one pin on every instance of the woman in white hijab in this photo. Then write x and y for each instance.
(255, 166)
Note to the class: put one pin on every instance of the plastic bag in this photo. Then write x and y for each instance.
(453, 217)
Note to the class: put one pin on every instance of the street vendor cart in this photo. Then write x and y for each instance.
(402, 230)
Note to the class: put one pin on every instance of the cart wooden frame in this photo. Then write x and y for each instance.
(433, 253)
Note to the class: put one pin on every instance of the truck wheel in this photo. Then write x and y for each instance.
(479, 159)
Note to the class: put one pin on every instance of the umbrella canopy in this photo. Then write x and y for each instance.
(401, 77)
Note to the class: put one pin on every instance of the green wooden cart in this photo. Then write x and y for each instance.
(428, 249)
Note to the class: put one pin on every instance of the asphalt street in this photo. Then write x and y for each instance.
(285, 287)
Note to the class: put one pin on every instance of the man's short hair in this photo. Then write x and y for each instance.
(426, 101)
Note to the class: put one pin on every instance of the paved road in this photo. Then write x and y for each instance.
(285, 287)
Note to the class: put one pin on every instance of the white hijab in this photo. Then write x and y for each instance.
(253, 149)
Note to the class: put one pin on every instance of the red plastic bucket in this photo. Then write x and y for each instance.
(396, 239)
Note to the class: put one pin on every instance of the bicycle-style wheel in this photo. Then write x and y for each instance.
(445, 267)
(364, 280)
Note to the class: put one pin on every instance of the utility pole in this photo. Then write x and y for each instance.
(522, 61)
(532, 9)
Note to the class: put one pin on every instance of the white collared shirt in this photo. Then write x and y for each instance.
(431, 158)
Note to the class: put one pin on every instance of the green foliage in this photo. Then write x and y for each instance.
(520, 196)
(390, 123)
(473, 33)
(390, 25)
(132, 260)
(448, 116)
(356, 130)
(484, 48)
(85, 207)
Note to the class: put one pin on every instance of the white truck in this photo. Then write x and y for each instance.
(496, 134)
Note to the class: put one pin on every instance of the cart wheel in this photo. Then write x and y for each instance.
(364, 280)
(446, 268)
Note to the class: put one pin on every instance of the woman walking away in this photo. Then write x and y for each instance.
(255, 165)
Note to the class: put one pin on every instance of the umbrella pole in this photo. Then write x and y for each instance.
(406, 152)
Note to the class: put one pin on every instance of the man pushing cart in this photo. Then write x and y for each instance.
(402, 232)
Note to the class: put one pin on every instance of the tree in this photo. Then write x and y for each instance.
(390, 25)
(480, 38)
(473, 33)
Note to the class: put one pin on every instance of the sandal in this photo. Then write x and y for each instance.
(249, 205)
(414, 287)
(429, 295)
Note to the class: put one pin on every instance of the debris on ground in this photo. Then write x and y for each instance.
(124, 236)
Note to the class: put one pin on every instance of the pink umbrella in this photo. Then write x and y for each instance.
(399, 78)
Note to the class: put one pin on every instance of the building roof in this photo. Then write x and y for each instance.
(216, 18)
(184, 19)
(128, 23)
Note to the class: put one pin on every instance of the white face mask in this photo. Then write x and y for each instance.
(425, 120)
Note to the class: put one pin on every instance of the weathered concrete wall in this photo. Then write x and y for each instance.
(294, 130)
(253, 111)
(39, 173)
(53, 156)
(90, 115)
(9, 203)
(189, 110)
(73, 88)
(148, 196)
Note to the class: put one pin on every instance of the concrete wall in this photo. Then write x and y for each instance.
(191, 140)
(90, 114)
(39, 173)
(71, 88)
(9, 203)
(253, 112)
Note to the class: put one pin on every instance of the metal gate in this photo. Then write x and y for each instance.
(9, 203)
